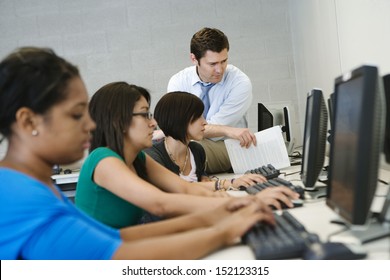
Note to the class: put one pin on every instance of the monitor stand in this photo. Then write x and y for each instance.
(377, 228)
(364, 234)
(316, 193)
(290, 145)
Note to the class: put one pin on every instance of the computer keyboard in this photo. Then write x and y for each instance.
(289, 239)
(268, 171)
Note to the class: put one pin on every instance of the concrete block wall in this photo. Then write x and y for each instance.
(145, 42)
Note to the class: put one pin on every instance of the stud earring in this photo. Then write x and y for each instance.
(34, 132)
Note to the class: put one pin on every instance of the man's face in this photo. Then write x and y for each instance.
(211, 66)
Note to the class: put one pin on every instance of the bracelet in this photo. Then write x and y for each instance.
(219, 185)
(216, 185)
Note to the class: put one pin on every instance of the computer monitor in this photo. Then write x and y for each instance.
(314, 142)
(277, 115)
(357, 142)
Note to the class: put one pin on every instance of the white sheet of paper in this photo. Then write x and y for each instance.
(270, 148)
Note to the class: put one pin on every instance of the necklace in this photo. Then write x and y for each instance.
(181, 170)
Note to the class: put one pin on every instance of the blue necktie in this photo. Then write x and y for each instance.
(205, 97)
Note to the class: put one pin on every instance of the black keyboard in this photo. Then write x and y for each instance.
(268, 171)
(275, 182)
(287, 239)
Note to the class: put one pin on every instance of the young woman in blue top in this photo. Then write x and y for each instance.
(44, 117)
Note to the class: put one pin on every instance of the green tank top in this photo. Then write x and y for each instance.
(100, 203)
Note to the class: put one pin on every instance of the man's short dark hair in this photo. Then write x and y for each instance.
(208, 39)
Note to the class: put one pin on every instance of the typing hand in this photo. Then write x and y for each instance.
(234, 204)
(277, 196)
(245, 214)
(248, 180)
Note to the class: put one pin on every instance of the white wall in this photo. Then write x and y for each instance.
(364, 33)
(146, 41)
(331, 37)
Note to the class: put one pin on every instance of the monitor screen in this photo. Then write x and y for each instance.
(356, 144)
(265, 118)
(330, 110)
(386, 147)
(314, 139)
(287, 124)
(269, 117)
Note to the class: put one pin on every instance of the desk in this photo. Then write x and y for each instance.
(316, 216)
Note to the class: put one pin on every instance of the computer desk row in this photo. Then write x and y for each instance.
(315, 215)
(317, 218)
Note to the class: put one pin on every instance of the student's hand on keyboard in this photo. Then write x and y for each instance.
(244, 214)
(277, 196)
(234, 204)
(247, 180)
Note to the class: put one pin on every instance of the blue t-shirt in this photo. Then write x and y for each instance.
(36, 224)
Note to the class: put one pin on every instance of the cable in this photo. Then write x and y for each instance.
(383, 182)
(295, 154)
(289, 174)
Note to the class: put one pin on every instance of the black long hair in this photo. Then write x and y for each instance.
(32, 77)
(111, 107)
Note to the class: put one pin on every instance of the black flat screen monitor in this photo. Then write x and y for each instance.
(314, 139)
(267, 118)
(356, 145)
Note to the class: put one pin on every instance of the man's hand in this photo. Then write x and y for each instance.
(244, 135)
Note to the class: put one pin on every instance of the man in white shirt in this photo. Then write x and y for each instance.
(225, 91)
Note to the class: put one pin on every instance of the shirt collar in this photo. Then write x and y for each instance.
(195, 78)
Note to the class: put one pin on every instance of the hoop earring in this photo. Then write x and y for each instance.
(34, 132)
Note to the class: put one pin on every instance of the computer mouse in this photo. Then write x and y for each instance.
(297, 202)
(334, 251)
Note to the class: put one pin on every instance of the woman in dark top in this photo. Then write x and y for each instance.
(180, 116)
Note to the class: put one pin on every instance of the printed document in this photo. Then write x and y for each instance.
(270, 148)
